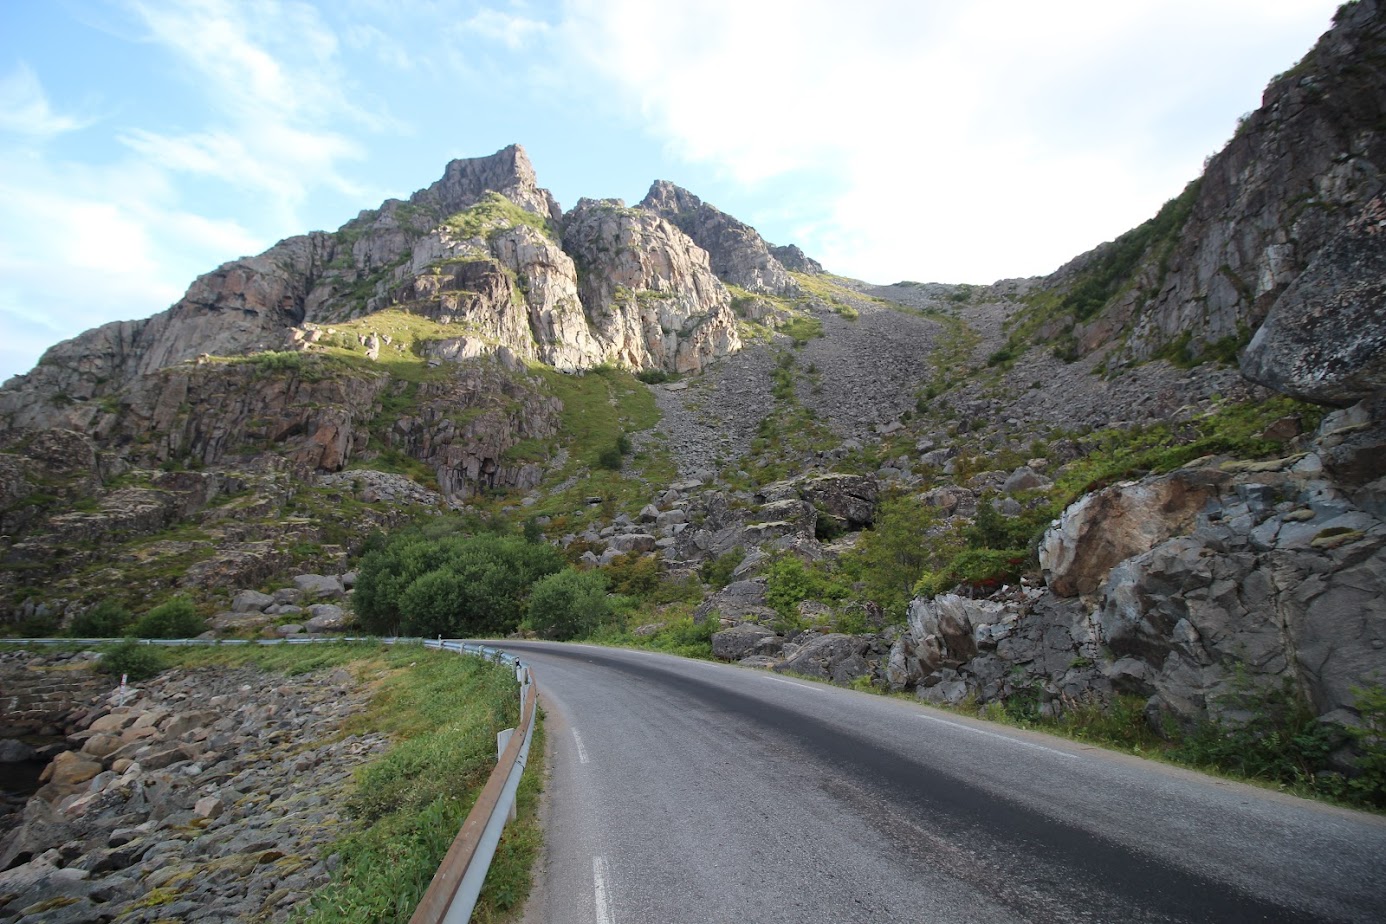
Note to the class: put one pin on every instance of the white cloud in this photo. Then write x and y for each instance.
(512, 30)
(961, 142)
(271, 72)
(25, 110)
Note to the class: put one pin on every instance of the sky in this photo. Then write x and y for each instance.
(145, 142)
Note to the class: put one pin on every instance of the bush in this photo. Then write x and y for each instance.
(106, 619)
(1281, 738)
(568, 604)
(652, 376)
(130, 657)
(610, 458)
(418, 582)
(980, 569)
(175, 619)
(718, 572)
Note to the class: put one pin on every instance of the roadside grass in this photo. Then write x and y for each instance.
(441, 712)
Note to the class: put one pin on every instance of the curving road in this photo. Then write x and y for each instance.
(683, 791)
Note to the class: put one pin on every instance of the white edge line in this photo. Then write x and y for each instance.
(599, 876)
(582, 751)
(990, 734)
(795, 683)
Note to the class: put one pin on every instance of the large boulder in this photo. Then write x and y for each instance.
(1324, 339)
(835, 657)
(1109, 526)
(739, 641)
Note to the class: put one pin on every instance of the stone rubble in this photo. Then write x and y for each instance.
(209, 795)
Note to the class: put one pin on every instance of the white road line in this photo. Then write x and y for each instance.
(582, 751)
(599, 876)
(793, 683)
(979, 731)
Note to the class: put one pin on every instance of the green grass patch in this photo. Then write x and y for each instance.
(495, 214)
(442, 712)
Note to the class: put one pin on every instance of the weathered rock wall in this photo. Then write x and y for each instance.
(1298, 170)
(650, 295)
(736, 251)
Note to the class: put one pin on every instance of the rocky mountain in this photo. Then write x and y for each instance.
(1156, 473)
(1199, 278)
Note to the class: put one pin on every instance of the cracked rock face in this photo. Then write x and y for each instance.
(650, 295)
(1325, 338)
(738, 254)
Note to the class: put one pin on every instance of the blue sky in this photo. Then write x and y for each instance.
(143, 142)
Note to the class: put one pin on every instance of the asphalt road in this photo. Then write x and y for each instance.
(682, 791)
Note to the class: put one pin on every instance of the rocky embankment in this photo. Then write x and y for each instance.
(207, 795)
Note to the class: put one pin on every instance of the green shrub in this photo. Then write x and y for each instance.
(610, 458)
(132, 658)
(106, 619)
(652, 376)
(1280, 739)
(569, 604)
(432, 582)
(1369, 785)
(982, 570)
(175, 619)
(717, 573)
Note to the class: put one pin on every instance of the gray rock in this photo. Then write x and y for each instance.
(250, 601)
(739, 641)
(320, 586)
(325, 617)
(839, 658)
(639, 543)
(1323, 339)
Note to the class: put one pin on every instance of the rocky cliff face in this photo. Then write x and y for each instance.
(739, 255)
(650, 293)
(1297, 173)
(479, 249)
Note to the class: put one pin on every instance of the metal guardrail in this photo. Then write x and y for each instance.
(453, 893)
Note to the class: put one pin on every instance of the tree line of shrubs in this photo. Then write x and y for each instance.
(431, 581)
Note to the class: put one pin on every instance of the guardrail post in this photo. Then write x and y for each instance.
(503, 739)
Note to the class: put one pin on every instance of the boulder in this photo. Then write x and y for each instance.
(639, 543)
(739, 601)
(1109, 526)
(320, 586)
(325, 617)
(739, 641)
(835, 657)
(250, 601)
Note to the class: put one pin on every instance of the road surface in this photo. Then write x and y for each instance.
(684, 791)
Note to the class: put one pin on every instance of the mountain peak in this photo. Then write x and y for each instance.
(508, 172)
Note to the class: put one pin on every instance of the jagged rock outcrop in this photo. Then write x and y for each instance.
(1115, 524)
(1325, 338)
(739, 255)
(795, 260)
(1195, 584)
(650, 296)
(478, 250)
(1298, 170)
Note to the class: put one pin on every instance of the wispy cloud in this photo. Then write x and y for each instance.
(967, 140)
(513, 30)
(271, 73)
(25, 109)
